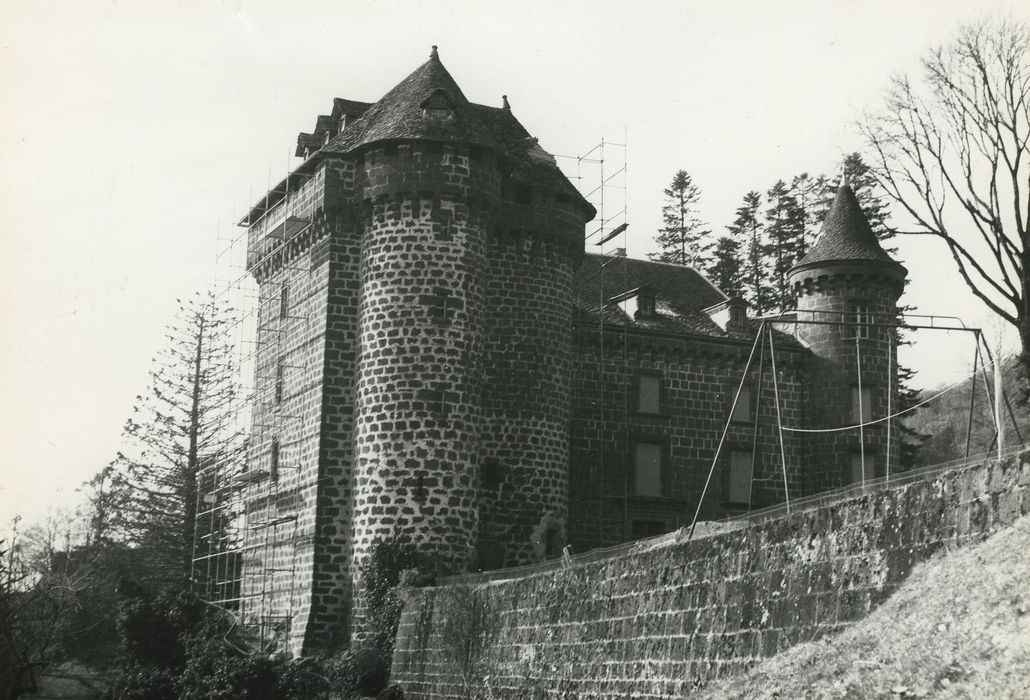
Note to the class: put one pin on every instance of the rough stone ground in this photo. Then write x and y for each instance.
(958, 628)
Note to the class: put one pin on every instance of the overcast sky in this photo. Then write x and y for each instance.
(132, 133)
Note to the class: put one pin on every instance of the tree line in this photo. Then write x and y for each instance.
(770, 233)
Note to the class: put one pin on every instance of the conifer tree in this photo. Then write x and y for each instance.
(747, 229)
(184, 421)
(807, 191)
(684, 239)
(727, 270)
(785, 227)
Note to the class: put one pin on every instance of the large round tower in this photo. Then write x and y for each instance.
(847, 288)
(469, 240)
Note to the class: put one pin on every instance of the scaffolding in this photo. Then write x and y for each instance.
(247, 531)
(601, 176)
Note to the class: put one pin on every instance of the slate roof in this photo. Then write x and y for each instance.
(398, 115)
(681, 294)
(846, 235)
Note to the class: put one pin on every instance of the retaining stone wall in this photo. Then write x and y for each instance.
(661, 620)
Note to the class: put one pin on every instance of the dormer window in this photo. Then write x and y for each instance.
(645, 306)
(328, 135)
(438, 107)
(737, 315)
(343, 122)
(637, 303)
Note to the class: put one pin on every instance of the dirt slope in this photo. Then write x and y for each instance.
(958, 628)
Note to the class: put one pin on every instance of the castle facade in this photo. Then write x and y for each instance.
(439, 359)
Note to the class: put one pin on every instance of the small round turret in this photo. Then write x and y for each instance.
(847, 288)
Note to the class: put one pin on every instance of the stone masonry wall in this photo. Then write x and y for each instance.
(698, 381)
(834, 373)
(670, 615)
(524, 431)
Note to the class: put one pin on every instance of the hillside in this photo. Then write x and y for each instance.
(945, 419)
(958, 628)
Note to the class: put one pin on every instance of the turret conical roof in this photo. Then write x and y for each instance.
(846, 235)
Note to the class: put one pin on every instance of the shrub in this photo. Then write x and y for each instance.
(364, 670)
(143, 683)
(380, 576)
(214, 671)
(302, 679)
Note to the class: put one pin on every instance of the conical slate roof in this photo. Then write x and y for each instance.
(399, 114)
(845, 235)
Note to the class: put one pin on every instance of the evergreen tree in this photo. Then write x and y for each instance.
(785, 227)
(684, 239)
(184, 421)
(727, 271)
(747, 229)
(807, 191)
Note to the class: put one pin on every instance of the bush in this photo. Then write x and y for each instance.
(143, 683)
(215, 671)
(390, 562)
(302, 679)
(364, 670)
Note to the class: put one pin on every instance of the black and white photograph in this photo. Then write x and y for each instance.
(537, 350)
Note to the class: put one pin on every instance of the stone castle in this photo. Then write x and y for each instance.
(439, 359)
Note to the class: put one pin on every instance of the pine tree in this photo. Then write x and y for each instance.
(727, 270)
(184, 421)
(807, 191)
(684, 239)
(785, 227)
(747, 229)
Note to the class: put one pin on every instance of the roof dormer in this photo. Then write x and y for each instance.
(638, 303)
(729, 315)
(438, 107)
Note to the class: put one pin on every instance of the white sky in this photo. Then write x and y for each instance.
(131, 133)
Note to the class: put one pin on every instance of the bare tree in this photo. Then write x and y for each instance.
(952, 150)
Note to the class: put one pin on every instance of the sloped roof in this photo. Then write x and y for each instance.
(681, 292)
(681, 296)
(399, 114)
(845, 235)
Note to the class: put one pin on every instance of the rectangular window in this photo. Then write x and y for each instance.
(861, 317)
(273, 462)
(742, 411)
(738, 482)
(861, 404)
(284, 300)
(649, 394)
(647, 469)
(872, 467)
(279, 380)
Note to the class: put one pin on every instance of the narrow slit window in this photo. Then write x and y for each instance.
(861, 317)
(284, 300)
(279, 380)
(273, 462)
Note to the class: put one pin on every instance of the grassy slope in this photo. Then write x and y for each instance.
(958, 628)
